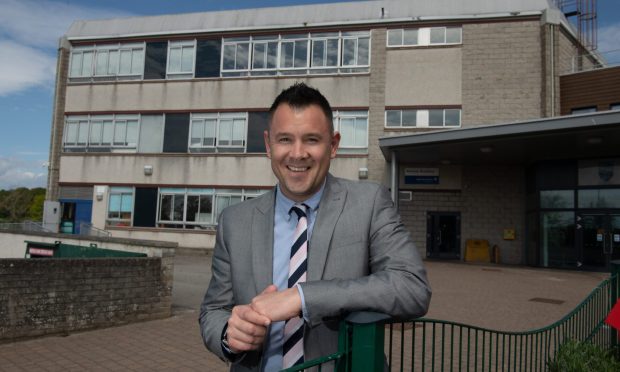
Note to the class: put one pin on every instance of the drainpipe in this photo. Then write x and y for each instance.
(394, 179)
(552, 57)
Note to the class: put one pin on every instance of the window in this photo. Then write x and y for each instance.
(614, 106)
(353, 128)
(424, 36)
(400, 118)
(293, 54)
(181, 58)
(120, 206)
(197, 208)
(108, 61)
(221, 132)
(422, 118)
(583, 110)
(101, 132)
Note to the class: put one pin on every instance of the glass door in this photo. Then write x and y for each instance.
(600, 239)
(443, 235)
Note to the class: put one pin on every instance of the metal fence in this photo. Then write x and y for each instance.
(436, 345)
(90, 230)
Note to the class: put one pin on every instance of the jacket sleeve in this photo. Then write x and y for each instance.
(395, 282)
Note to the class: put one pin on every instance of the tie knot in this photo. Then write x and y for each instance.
(300, 210)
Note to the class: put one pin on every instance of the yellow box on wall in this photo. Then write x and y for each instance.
(509, 234)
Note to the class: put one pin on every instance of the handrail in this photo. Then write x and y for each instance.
(87, 228)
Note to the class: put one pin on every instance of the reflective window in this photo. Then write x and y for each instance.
(599, 198)
(557, 199)
(120, 206)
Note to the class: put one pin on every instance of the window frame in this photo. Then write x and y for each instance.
(423, 113)
(338, 115)
(118, 221)
(136, 49)
(423, 31)
(175, 44)
(218, 117)
(90, 121)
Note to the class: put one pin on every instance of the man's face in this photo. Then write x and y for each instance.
(300, 146)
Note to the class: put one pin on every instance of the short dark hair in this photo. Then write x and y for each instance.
(300, 96)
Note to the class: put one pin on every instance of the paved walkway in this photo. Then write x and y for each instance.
(496, 297)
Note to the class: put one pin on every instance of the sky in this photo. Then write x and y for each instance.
(29, 33)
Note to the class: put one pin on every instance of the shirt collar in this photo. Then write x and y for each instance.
(284, 204)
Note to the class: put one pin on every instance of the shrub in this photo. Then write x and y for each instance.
(574, 356)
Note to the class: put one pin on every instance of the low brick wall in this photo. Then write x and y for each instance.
(51, 296)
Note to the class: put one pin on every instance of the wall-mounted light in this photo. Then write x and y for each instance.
(363, 173)
(148, 170)
(99, 192)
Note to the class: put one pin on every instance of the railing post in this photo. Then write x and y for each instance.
(615, 277)
(367, 340)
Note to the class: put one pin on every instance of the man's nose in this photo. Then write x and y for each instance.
(298, 151)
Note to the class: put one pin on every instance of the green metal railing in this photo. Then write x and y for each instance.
(437, 345)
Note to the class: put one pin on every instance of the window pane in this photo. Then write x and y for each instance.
(206, 209)
(238, 132)
(395, 37)
(601, 198)
(225, 135)
(87, 63)
(126, 203)
(392, 118)
(272, 56)
(132, 133)
(179, 201)
(113, 62)
(438, 35)
(259, 55)
(222, 202)
(72, 130)
(95, 132)
(165, 208)
(174, 64)
(318, 52)
(348, 52)
(229, 57)
(453, 117)
(83, 133)
(120, 129)
(125, 64)
(192, 208)
(332, 52)
(361, 125)
(286, 57)
(409, 118)
(76, 64)
(187, 62)
(115, 203)
(137, 62)
(557, 199)
(301, 53)
(435, 118)
(410, 36)
(108, 132)
(347, 131)
(209, 135)
(197, 132)
(101, 67)
(362, 51)
(453, 35)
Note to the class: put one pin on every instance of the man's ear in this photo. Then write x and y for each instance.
(335, 144)
(266, 138)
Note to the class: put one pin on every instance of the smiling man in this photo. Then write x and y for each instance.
(287, 266)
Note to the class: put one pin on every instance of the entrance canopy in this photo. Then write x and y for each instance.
(592, 135)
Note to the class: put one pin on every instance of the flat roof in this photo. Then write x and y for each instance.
(313, 15)
(574, 136)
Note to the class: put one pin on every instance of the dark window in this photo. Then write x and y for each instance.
(560, 175)
(208, 58)
(145, 207)
(176, 132)
(257, 124)
(155, 65)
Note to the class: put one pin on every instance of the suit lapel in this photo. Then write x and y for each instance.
(330, 207)
(261, 241)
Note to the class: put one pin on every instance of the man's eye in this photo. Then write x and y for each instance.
(284, 140)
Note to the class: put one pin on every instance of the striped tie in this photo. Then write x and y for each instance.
(293, 349)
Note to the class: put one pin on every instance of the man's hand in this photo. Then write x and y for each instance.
(246, 327)
(278, 306)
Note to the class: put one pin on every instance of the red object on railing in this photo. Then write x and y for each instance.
(613, 318)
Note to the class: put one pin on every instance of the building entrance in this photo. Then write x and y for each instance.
(443, 235)
(599, 234)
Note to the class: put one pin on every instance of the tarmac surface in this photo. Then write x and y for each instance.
(490, 296)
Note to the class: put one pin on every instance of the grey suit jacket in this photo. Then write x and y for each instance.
(360, 257)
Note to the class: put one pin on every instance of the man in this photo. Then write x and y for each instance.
(316, 246)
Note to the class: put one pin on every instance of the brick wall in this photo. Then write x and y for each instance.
(55, 296)
(492, 199)
(502, 72)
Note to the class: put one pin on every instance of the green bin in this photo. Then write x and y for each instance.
(60, 250)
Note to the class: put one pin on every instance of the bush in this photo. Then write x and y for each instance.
(574, 356)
